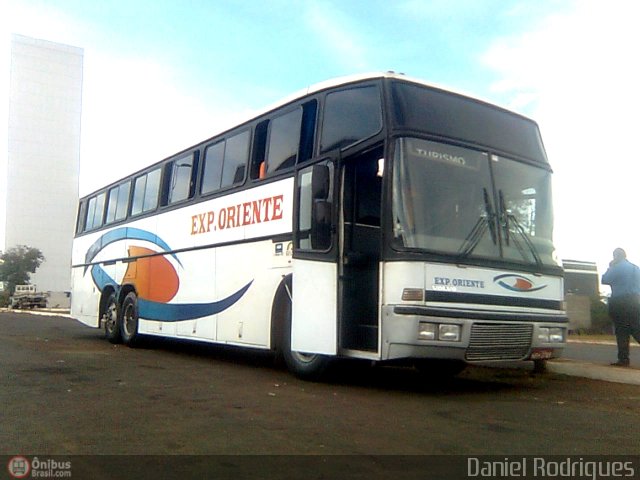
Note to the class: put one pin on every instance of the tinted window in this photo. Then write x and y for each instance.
(151, 192)
(123, 201)
(81, 217)
(91, 210)
(308, 129)
(138, 195)
(235, 159)
(350, 116)
(145, 192)
(284, 138)
(118, 202)
(181, 172)
(258, 169)
(315, 208)
(449, 115)
(95, 212)
(212, 174)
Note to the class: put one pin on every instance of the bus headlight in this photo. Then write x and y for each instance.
(543, 335)
(556, 335)
(448, 332)
(551, 335)
(427, 331)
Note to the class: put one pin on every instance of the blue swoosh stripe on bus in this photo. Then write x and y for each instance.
(125, 233)
(171, 312)
(101, 278)
(175, 312)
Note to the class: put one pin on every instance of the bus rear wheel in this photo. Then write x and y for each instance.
(308, 366)
(110, 319)
(129, 319)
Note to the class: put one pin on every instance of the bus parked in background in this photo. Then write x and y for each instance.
(373, 217)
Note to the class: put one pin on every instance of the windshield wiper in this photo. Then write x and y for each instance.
(509, 218)
(486, 220)
(504, 218)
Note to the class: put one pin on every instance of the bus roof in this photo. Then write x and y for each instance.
(348, 79)
(312, 89)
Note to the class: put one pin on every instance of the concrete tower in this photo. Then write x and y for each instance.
(45, 107)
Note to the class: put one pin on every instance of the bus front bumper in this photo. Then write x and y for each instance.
(417, 332)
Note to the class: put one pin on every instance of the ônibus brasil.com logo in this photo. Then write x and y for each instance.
(21, 467)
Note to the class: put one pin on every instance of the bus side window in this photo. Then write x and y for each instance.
(81, 218)
(307, 131)
(284, 141)
(259, 148)
(95, 212)
(118, 202)
(350, 116)
(145, 192)
(180, 176)
(152, 191)
(212, 174)
(315, 191)
(236, 153)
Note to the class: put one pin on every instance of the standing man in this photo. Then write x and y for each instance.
(624, 303)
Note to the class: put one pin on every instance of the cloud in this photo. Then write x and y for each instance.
(337, 35)
(135, 112)
(575, 73)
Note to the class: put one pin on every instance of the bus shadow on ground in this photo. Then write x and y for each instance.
(362, 373)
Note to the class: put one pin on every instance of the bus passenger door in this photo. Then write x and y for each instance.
(360, 251)
(314, 326)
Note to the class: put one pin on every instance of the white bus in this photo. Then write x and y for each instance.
(372, 217)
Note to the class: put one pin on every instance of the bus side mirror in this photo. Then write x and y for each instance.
(321, 209)
(320, 182)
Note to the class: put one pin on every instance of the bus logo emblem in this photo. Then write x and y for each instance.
(517, 283)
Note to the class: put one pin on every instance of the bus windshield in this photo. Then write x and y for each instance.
(468, 203)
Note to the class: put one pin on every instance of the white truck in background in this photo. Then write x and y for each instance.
(27, 296)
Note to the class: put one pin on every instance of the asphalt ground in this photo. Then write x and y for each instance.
(597, 370)
(112, 410)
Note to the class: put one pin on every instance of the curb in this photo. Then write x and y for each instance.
(630, 376)
(44, 313)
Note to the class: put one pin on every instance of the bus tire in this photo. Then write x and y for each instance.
(439, 369)
(129, 320)
(307, 366)
(110, 319)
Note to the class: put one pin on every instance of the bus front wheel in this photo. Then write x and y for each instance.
(110, 319)
(129, 319)
(308, 366)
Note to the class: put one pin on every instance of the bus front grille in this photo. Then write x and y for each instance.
(490, 341)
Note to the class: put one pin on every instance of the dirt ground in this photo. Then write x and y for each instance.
(67, 391)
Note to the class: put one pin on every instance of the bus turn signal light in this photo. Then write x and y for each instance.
(413, 295)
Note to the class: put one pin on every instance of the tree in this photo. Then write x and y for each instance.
(18, 263)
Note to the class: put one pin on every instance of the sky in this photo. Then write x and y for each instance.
(162, 75)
